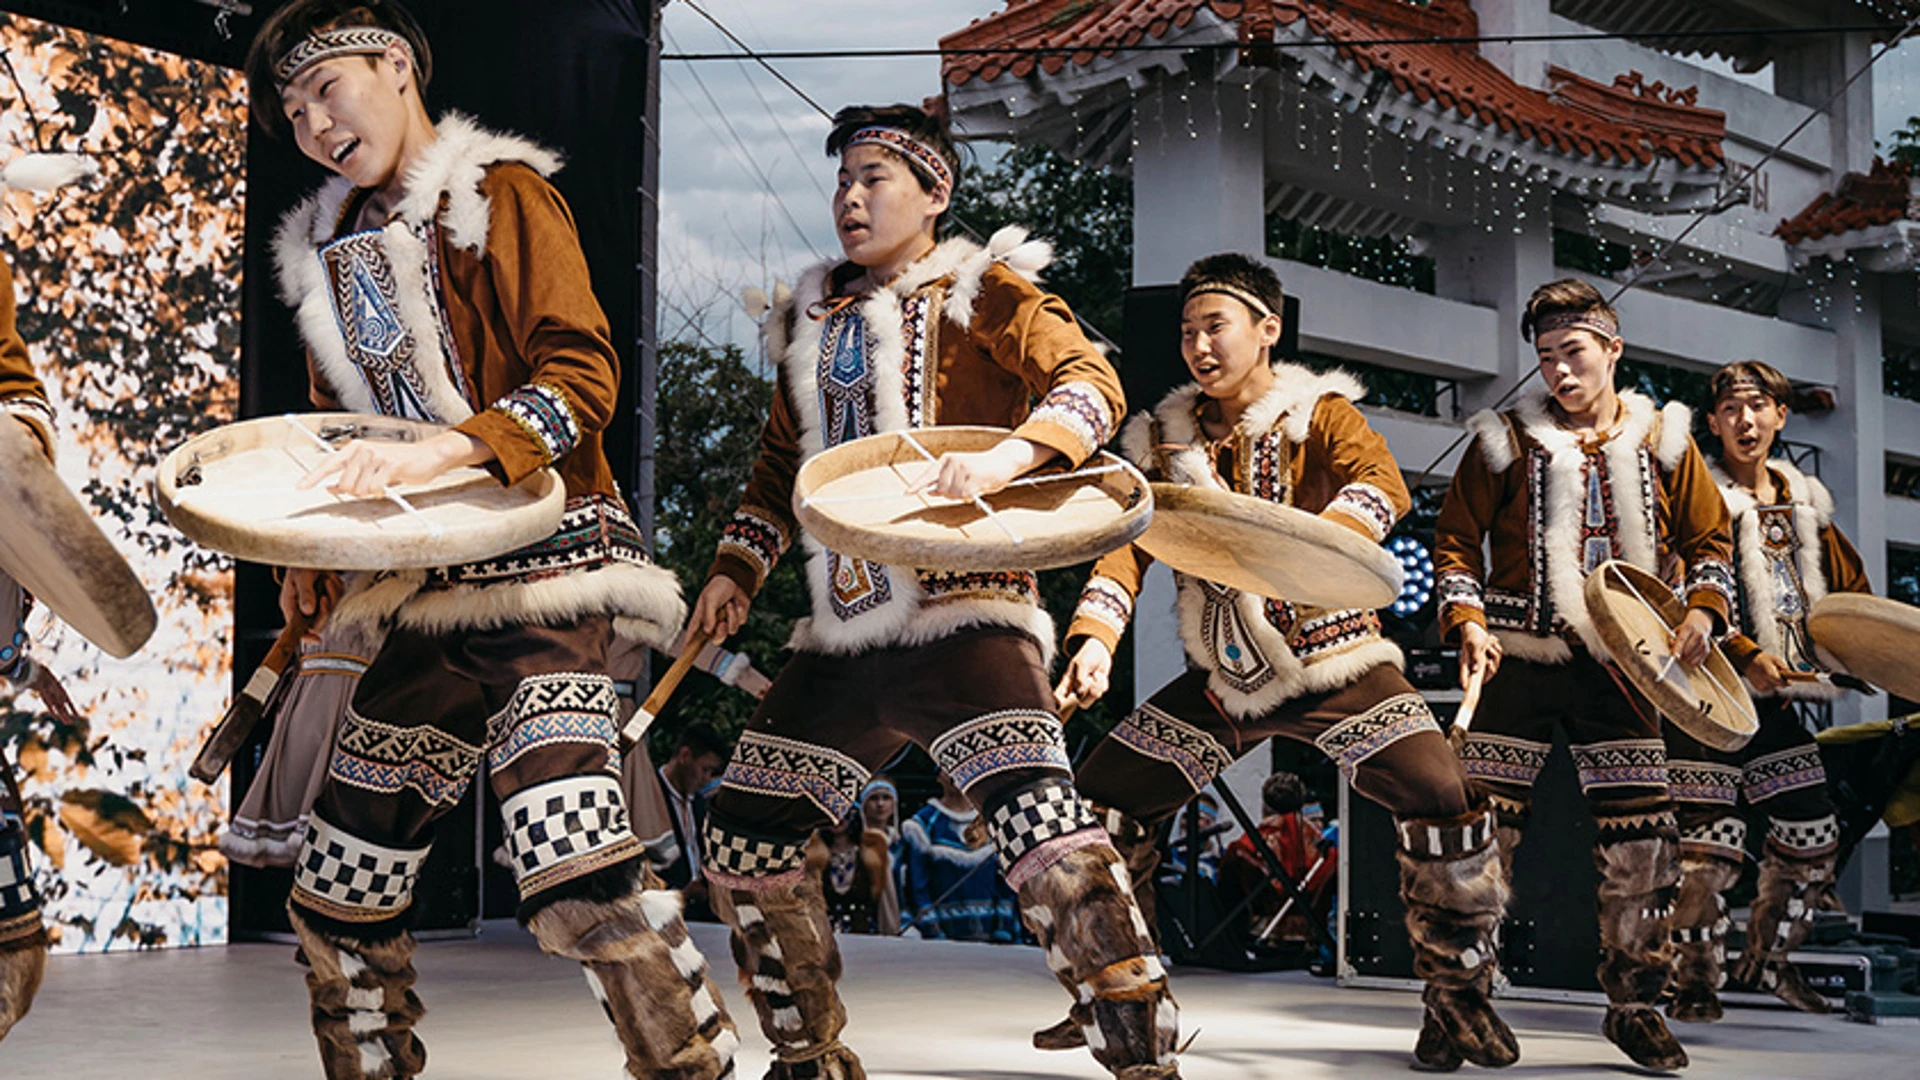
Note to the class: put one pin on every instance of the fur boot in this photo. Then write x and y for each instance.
(1082, 910)
(1638, 880)
(1139, 848)
(364, 1008)
(1454, 886)
(1790, 892)
(647, 974)
(22, 965)
(789, 963)
(1700, 936)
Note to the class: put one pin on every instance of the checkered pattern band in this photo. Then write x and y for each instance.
(1080, 408)
(1703, 782)
(354, 880)
(1155, 733)
(1445, 840)
(327, 44)
(999, 742)
(1788, 770)
(17, 894)
(1353, 740)
(1106, 602)
(1503, 758)
(553, 710)
(1036, 815)
(777, 768)
(1622, 763)
(1723, 836)
(1805, 839)
(564, 828)
(924, 157)
(1368, 505)
(735, 854)
(546, 416)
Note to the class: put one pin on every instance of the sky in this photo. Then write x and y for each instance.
(745, 185)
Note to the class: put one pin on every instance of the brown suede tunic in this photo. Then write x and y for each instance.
(22, 394)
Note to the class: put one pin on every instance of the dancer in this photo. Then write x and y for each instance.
(1576, 474)
(906, 332)
(1788, 554)
(1260, 668)
(438, 276)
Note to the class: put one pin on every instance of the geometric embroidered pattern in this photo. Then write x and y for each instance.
(1105, 602)
(781, 768)
(1788, 770)
(17, 895)
(387, 759)
(1711, 575)
(1357, 738)
(997, 742)
(366, 307)
(1457, 588)
(1725, 836)
(552, 709)
(1428, 840)
(756, 538)
(1621, 763)
(1503, 758)
(1043, 812)
(595, 531)
(1703, 782)
(1080, 408)
(1155, 733)
(564, 828)
(352, 879)
(1366, 504)
(546, 416)
(742, 856)
(1805, 838)
(326, 44)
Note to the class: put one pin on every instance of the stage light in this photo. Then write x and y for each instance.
(1417, 589)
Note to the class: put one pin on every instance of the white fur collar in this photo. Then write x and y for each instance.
(1802, 490)
(1288, 409)
(1759, 587)
(1668, 429)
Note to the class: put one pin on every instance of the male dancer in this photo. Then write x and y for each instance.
(1788, 554)
(1577, 474)
(439, 276)
(1260, 668)
(907, 332)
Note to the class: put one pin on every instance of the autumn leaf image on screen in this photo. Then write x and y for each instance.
(128, 290)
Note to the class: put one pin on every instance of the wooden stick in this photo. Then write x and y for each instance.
(1469, 701)
(433, 528)
(244, 714)
(978, 502)
(649, 710)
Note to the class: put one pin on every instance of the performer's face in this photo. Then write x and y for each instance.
(351, 114)
(884, 217)
(1225, 346)
(1746, 422)
(1577, 366)
(878, 809)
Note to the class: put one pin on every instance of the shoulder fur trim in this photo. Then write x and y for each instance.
(1296, 392)
(1496, 439)
(1673, 434)
(1804, 490)
(454, 166)
(1136, 440)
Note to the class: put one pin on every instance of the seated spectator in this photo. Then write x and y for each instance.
(1302, 852)
(955, 890)
(698, 756)
(1206, 811)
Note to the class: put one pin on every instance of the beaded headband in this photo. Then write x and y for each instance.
(1227, 288)
(1598, 322)
(327, 44)
(904, 144)
(1743, 384)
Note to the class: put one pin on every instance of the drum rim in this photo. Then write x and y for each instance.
(1869, 607)
(1614, 637)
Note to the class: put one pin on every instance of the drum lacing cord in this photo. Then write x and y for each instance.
(1705, 669)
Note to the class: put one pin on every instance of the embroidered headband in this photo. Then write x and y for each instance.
(1226, 288)
(879, 785)
(1598, 322)
(327, 44)
(900, 142)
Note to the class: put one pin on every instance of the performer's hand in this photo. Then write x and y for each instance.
(1693, 641)
(311, 593)
(365, 468)
(1767, 672)
(53, 695)
(1479, 651)
(721, 610)
(982, 472)
(1087, 675)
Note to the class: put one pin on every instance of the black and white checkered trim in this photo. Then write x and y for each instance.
(1043, 811)
(561, 821)
(742, 856)
(1805, 838)
(349, 877)
(1429, 839)
(1723, 835)
(17, 894)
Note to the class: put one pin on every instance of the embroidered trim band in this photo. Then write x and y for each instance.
(344, 877)
(546, 416)
(924, 157)
(1595, 321)
(1224, 288)
(327, 44)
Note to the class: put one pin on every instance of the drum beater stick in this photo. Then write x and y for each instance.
(978, 502)
(392, 496)
(644, 716)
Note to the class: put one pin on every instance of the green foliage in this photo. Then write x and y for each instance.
(1906, 144)
(1381, 259)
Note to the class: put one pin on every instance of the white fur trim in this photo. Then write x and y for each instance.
(374, 1060)
(351, 966)
(748, 914)
(1812, 511)
(725, 1044)
(454, 165)
(660, 907)
(1289, 406)
(366, 1021)
(787, 1019)
(365, 998)
(1673, 434)
(687, 959)
(703, 1005)
(644, 601)
(1534, 647)
(1490, 429)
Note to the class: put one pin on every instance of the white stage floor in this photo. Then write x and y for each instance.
(499, 1009)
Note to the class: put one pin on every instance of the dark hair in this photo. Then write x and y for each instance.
(702, 740)
(1772, 383)
(1243, 272)
(925, 127)
(1283, 793)
(292, 24)
(1568, 296)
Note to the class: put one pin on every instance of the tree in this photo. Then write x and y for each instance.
(1906, 145)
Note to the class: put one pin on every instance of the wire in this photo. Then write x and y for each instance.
(759, 59)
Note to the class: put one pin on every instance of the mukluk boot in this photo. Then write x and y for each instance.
(23, 937)
(789, 964)
(1081, 908)
(1140, 850)
(626, 932)
(364, 1007)
(1790, 892)
(1639, 877)
(1454, 887)
(1699, 933)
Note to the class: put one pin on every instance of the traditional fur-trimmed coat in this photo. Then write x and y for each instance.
(22, 395)
(1643, 495)
(1787, 556)
(471, 306)
(1302, 445)
(962, 336)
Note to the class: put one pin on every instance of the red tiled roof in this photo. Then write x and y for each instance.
(1627, 123)
(1880, 197)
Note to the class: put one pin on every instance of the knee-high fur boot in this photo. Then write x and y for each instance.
(1083, 911)
(1454, 886)
(1790, 892)
(364, 1007)
(23, 936)
(1639, 873)
(652, 981)
(1139, 849)
(1700, 936)
(790, 965)
(22, 965)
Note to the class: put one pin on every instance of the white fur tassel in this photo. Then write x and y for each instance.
(47, 172)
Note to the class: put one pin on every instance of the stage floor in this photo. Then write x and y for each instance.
(499, 1009)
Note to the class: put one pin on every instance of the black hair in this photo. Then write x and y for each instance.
(925, 127)
(702, 740)
(1283, 793)
(1243, 272)
(303, 18)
